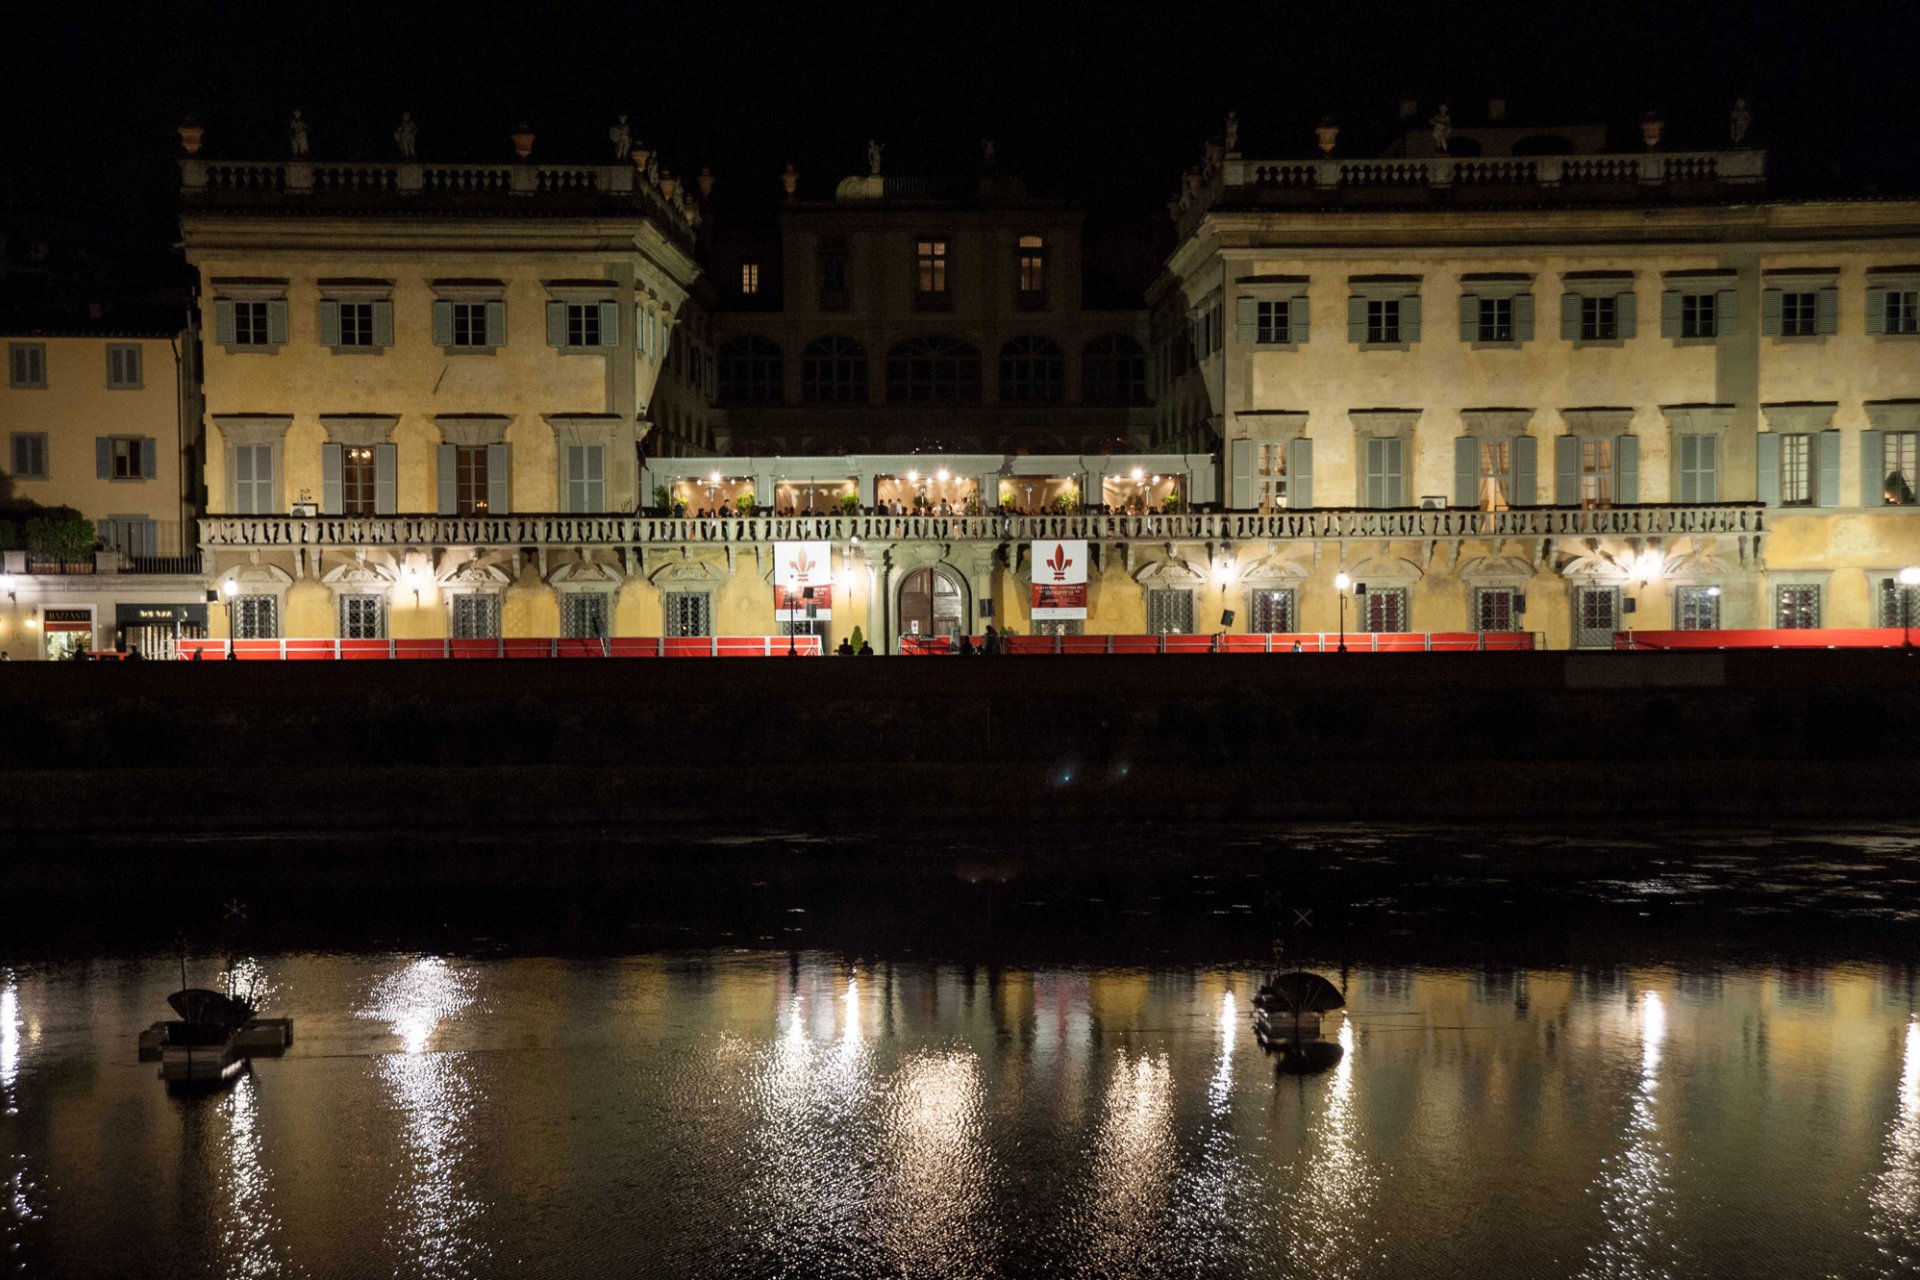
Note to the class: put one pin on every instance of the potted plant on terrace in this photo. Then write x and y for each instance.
(744, 503)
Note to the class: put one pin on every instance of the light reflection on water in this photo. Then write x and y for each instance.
(18, 1189)
(750, 1115)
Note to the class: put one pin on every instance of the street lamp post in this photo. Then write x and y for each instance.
(1340, 584)
(229, 589)
(1909, 583)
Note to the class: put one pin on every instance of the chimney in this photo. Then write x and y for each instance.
(1496, 108)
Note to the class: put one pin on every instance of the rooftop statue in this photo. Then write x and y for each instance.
(1740, 122)
(1442, 123)
(622, 139)
(1233, 132)
(297, 136)
(405, 135)
(873, 157)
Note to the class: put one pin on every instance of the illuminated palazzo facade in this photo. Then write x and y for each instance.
(1562, 395)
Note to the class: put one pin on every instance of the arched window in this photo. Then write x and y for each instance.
(1113, 370)
(934, 369)
(750, 372)
(1032, 371)
(833, 370)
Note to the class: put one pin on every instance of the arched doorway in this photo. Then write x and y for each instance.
(932, 603)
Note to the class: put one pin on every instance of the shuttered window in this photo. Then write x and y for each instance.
(1796, 470)
(29, 453)
(253, 479)
(586, 490)
(123, 366)
(1385, 476)
(1898, 451)
(1699, 467)
(26, 365)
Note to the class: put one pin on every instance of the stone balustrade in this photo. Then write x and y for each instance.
(564, 531)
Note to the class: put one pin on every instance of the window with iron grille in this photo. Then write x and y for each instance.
(1796, 607)
(1496, 319)
(584, 614)
(1696, 608)
(1596, 612)
(1797, 315)
(1599, 319)
(1496, 609)
(250, 324)
(1697, 315)
(123, 365)
(476, 615)
(833, 370)
(1899, 605)
(1169, 611)
(1796, 470)
(1270, 321)
(1899, 449)
(1383, 320)
(1383, 609)
(689, 613)
(256, 617)
(1270, 610)
(1032, 371)
(363, 617)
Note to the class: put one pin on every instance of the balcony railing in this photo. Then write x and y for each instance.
(1730, 519)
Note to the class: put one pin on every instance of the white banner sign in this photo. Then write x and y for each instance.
(1059, 581)
(796, 567)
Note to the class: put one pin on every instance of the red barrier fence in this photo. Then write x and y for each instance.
(297, 650)
(1300, 642)
(1773, 638)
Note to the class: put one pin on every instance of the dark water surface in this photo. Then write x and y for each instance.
(1749, 1107)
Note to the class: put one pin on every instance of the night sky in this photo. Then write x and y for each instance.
(1104, 103)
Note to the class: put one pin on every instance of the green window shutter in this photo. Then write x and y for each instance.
(640, 328)
(1767, 468)
(556, 324)
(1569, 317)
(1300, 474)
(1356, 320)
(1626, 481)
(149, 458)
(1410, 319)
(223, 323)
(332, 466)
(1685, 459)
(329, 323)
(1466, 472)
(609, 324)
(1873, 456)
(241, 502)
(1826, 311)
(1523, 317)
(102, 458)
(1876, 311)
(1297, 310)
(1670, 314)
(383, 324)
(446, 466)
(1626, 314)
(496, 315)
(443, 324)
(1242, 479)
(1708, 468)
(1829, 447)
(1469, 317)
(1770, 308)
(1246, 319)
(385, 479)
(277, 322)
(499, 479)
(1566, 471)
(571, 480)
(1726, 313)
(1526, 467)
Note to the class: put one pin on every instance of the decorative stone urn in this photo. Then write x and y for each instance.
(1326, 133)
(706, 182)
(523, 140)
(190, 132)
(790, 180)
(1650, 126)
(1195, 181)
(667, 183)
(640, 155)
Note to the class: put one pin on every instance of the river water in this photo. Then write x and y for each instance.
(1750, 1109)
